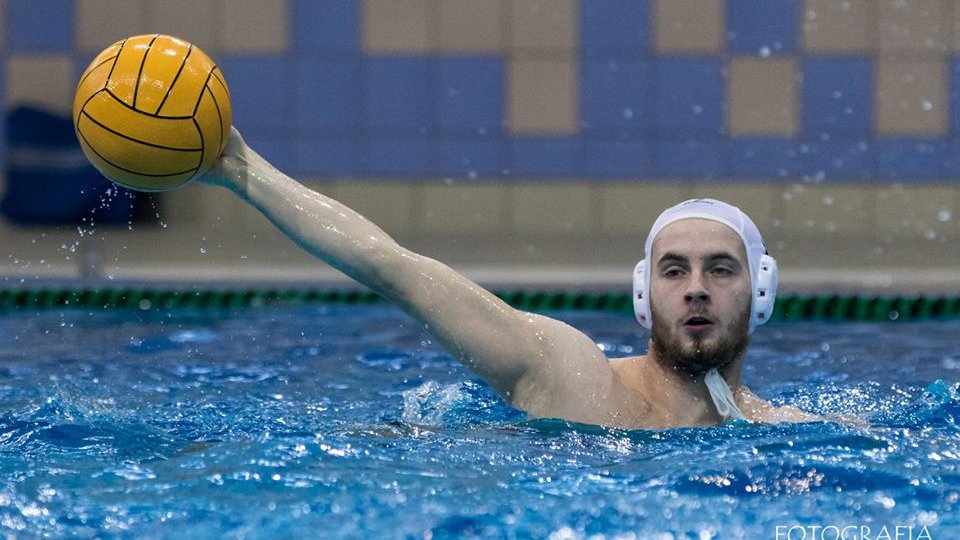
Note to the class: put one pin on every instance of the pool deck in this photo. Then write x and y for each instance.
(216, 257)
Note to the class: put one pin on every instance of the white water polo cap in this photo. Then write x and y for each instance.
(763, 268)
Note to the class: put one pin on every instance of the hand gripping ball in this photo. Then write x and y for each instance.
(152, 112)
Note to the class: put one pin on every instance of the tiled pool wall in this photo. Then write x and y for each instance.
(835, 124)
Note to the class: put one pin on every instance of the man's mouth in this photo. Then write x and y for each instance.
(698, 324)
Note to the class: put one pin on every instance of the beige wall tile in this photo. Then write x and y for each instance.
(464, 208)
(544, 96)
(59, 81)
(911, 25)
(471, 26)
(552, 208)
(631, 208)
(689, 26)
(761, 201)
(918, 212)
(196, 21)
(837, 26)
(911, 97)
(256, 27)
(388, 204)
(762, 97)
(954, 22)
(830, 211)
(205, 206)
(102, 22)
(396, 26)
(544, 25)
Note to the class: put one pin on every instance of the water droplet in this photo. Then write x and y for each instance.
(628, 113)
(203, 250)
(927, 106)
(944, 215)
(764, 52)
(930, 234)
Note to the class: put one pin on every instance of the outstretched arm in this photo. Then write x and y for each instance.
(533, 361)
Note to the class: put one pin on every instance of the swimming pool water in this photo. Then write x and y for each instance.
(348, 422)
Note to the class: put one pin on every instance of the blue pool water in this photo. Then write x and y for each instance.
(348, 422)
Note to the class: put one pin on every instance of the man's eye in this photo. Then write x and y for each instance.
(721, 271)
(672, 272)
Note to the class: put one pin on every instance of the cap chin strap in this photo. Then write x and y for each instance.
(761, 306)
(722, 396)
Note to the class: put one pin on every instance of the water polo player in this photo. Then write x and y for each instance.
(705, 284)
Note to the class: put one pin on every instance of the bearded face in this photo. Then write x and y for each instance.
(698, 354)
(700, 294)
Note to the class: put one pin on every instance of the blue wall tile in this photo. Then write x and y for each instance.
(954, 89)
(615, 28)
(535, 156)
(913, 159)
(617, 96)
(762, 27)
(617, 159)
(692, 158)
(330, 27)
(471, 94)
(398, 94)
(325, 95)
(469, 159)
(277, 150)
(324, 157)
(40, 25)
(396, 156)
(258, 103)
(767, 159)
(837, 95)
(837, 160)
(690, 95)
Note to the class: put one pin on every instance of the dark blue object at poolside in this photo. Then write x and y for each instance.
(50, 182)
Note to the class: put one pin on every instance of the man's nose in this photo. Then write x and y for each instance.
(696, 292)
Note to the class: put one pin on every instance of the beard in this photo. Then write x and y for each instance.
(698, 357)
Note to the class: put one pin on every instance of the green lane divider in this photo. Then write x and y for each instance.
(789, 307)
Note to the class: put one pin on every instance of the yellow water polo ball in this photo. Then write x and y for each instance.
(152, 112)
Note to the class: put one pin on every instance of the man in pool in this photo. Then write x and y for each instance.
(699, 291)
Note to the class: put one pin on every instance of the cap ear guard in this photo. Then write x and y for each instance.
(761, 306)
(765, 294)
(641, 302)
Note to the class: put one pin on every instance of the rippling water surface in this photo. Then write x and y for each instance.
(348, 422)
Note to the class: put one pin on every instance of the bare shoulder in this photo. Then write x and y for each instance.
(760, 410)
(574, 379)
